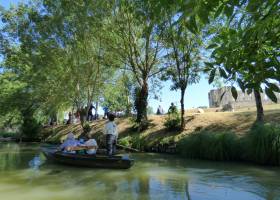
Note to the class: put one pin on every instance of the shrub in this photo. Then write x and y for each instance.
(30, 127)
(126, 141)
(86, 128)
(134, 141)
(6, 134)
(263, 144)
(172, 121)
(137, 142)
(210, 145)
(140, 126)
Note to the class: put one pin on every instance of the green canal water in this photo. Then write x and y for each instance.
(26, 175)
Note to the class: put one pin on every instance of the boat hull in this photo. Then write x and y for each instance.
(92, 161)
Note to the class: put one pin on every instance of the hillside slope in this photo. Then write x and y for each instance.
(238, 122)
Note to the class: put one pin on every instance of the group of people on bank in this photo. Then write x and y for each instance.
(89, 114)
(172, 109)
(90, 146)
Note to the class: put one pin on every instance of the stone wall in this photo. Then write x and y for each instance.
(243, 99)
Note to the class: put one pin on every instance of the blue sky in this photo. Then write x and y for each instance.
(196, 95)
(6, 3)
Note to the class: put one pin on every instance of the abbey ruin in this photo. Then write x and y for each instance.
(243, 99)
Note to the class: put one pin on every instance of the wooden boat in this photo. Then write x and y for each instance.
(94, 161)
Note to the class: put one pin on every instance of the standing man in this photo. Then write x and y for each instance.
(70, 118)
(106, 110)
(111, 133)
(172, 109)
(159, 110)
(90, 115)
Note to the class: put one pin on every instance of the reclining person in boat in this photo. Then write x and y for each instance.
(69, 143)
(91, 146)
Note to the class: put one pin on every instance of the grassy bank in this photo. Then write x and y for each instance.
(260, 145)
(224, 135)
(6, 134)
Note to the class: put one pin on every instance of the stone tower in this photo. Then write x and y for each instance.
(243, 99)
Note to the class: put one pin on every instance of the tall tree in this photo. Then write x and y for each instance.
(117, 93)
(59, 44)
(183, 59)
(138, 43)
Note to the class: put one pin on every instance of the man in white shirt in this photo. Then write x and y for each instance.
(111, 133)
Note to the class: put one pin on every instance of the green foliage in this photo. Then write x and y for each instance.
(137, 142)
(263, 144)
(270, 93)
(150, 110)
(211, 146)
(234, 92)
(212, 76)
(140, 126)
(182, 58)
(126, 141)
(134, 141)
(117, 95)
(8, 134)
(245, 48)
(86, 127)
(30, 127)
(137, 32)
(172, 121)
(51, 68)
(62, 54)
(260, 145)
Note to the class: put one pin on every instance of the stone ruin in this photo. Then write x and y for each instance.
(243, 99)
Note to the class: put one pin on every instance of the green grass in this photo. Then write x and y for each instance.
(134, 141)
(260, 145)
(263, 144)
(210, 146)
(8, 134)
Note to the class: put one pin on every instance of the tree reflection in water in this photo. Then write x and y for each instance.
(154, 176)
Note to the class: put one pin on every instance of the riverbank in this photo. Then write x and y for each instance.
(209, 135)
(157, 138)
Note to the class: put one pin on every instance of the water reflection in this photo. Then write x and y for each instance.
(35, 162)
(22, 169)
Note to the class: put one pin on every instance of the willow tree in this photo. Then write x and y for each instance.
(66, 59)
(137, 41)
(117, 93)
(78, 26)
(17, 90)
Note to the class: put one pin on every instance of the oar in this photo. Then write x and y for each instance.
(128, 148)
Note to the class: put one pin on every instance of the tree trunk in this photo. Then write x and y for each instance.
(127, 109)
(83, 115)
(182, 108)
(258, 99)
(96, 108)
(142, 98)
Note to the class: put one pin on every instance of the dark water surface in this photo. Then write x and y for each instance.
(25, 175)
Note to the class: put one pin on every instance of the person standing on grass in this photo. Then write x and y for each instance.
(172, 109)
(111, 133)
(106, 110)
(90, 116)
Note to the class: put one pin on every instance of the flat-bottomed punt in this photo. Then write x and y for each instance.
(83, 160)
